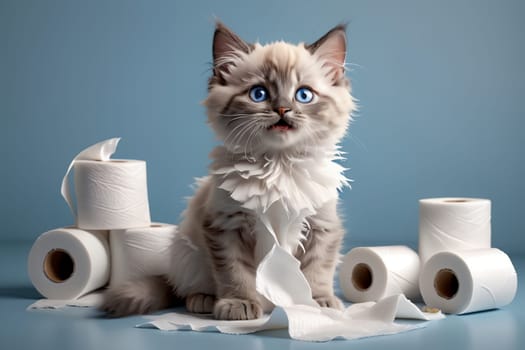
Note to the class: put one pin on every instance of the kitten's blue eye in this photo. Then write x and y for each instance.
(258, 93)
(304, 95)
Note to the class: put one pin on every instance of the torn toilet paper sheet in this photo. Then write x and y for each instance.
(90, 300)
(280, 280)
(309, 323)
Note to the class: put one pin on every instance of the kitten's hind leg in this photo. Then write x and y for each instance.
(139, 296)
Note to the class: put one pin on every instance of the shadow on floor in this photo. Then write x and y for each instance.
(275, 333)
(19, 292)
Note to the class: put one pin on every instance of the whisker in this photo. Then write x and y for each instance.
(254, 132)
(235, 115)
(240, 131)
(234, 130)
(233, 120)
(235, 138)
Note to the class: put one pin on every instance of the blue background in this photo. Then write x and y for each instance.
(440, 87)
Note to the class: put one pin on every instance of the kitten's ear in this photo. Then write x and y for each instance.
(226, 48)
(332, 49)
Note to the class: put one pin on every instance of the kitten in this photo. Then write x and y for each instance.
(280, 111)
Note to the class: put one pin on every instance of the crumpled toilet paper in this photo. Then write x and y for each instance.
(280, 280)
(309, 323)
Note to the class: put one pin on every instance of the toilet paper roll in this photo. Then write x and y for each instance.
(371, 273)
(67, 263)
(468, 281)
(110, 193)
(450, 224)
(140, 252)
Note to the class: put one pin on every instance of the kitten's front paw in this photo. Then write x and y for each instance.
(237, 309)
(200, 303)
(329, 301)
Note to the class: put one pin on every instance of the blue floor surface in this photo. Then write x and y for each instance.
(81, 329)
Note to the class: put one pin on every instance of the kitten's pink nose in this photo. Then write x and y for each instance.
(282, 111)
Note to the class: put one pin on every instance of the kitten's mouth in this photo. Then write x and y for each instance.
(281, 125)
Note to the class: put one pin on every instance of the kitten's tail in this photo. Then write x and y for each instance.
(139, 296)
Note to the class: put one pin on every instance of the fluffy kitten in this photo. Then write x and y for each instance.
(280, 111)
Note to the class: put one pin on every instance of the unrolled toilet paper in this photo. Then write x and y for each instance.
(140, 252)
(467, 281)
(93, 299)
(309, 323)
(280, 280)
(452, 224)
(67, 263)
(100, 151)
(372, 273)
(110, 193)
